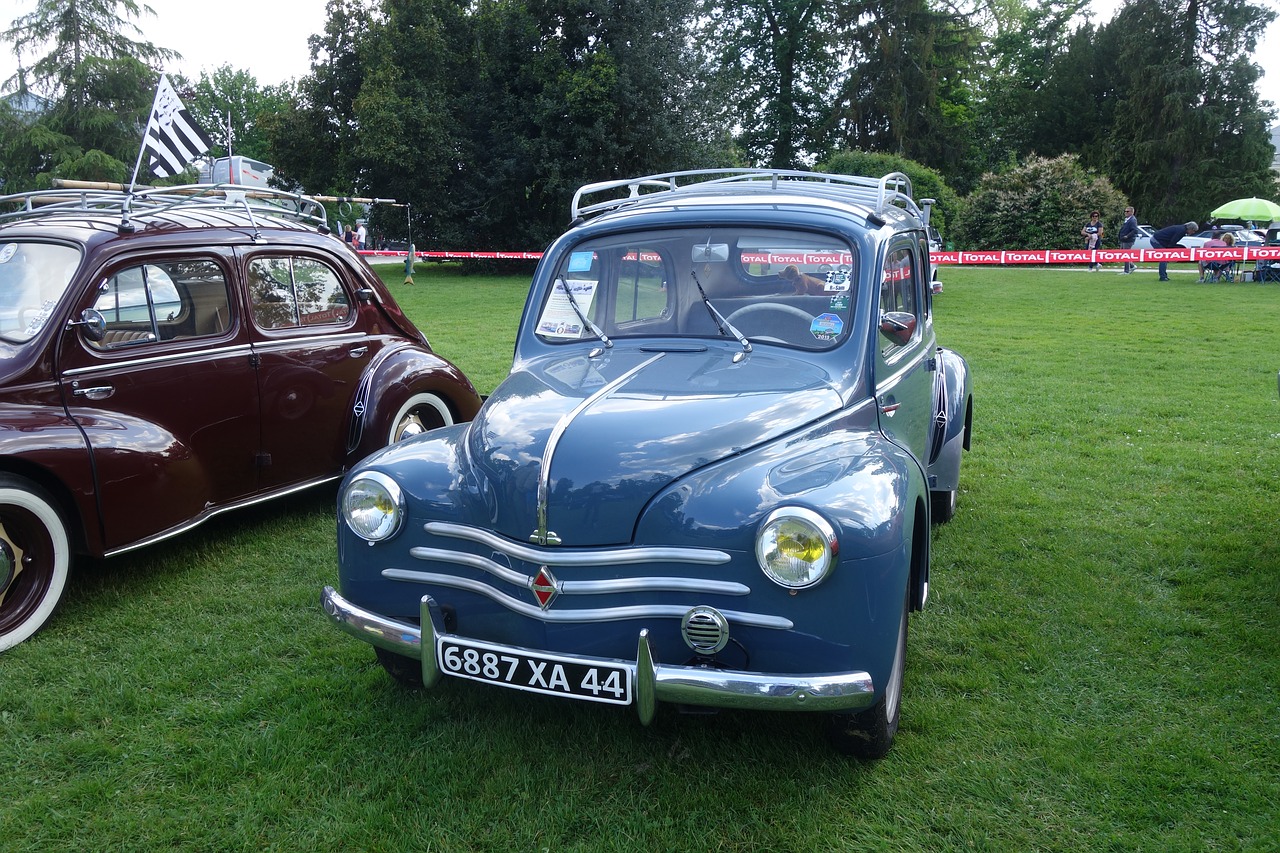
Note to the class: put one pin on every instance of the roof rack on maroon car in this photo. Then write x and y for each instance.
(878, 193)
(75, 198)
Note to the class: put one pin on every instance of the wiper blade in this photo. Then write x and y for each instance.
(573, 303)
(723, 325)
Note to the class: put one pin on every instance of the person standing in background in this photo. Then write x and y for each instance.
(1092, 232)
(1127, 236)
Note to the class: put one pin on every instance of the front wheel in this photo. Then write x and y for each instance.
(870, 733)
(405, 671)
(421, 413)
(35, 559)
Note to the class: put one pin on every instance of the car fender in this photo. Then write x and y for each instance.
(398, 374)
(953, 420)
(862, 483)
(36, 441)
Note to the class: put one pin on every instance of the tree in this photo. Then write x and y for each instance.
(904, 90)
(97, 81)
(1040, 205)
(234, 95)
(782, 62)
(486, 116)
(1190, 131)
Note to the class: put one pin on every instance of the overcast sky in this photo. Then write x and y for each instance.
(268, 38)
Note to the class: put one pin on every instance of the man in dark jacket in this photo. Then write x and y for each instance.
(1167, 238)
(1127, 236)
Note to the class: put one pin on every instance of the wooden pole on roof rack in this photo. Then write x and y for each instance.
(63, 183)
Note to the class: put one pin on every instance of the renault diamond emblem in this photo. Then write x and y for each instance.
(544, 586)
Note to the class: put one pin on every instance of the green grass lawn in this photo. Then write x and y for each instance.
(1097, 668)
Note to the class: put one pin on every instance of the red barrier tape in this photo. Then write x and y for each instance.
(1106, 256)
(1011, 256)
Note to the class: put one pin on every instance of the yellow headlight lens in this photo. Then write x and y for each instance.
(796, 547)
(373, 506)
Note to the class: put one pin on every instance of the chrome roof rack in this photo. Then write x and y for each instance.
(877, 193)
(208, 204)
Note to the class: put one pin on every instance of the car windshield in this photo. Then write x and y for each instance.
(775, 286)
(33, 277)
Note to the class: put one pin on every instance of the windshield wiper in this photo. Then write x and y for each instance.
(721, 323)
(573, 303)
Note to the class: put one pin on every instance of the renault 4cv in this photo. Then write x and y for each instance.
(709, 477)
(170, 354)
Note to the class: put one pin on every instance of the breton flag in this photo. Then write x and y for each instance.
(173, 138)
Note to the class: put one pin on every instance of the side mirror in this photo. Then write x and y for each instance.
(898, 326)
(95, 325)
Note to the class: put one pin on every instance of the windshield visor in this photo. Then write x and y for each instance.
(772, 286)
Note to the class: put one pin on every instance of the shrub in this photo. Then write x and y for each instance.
(1040, 205)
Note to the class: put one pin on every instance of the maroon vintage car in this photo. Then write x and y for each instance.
(174, 354)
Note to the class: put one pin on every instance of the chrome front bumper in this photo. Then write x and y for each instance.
(686, 685)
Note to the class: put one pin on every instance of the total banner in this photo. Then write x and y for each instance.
(1105, 256)
(996, 258)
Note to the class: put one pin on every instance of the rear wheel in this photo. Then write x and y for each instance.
(422, 413)
(870, 733)
(35, 559)
(942, 506)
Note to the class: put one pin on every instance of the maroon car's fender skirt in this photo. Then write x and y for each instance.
(686, 685)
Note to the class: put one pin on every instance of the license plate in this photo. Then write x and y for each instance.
(554, 675)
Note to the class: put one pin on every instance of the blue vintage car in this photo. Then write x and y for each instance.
(710, 476)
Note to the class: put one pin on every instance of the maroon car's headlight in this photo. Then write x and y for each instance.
(373, 506)
(796, 547)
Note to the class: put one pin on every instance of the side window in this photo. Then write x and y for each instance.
(163, 302)
(293, 292)
(900, 294)
(898, 287)
(642, 291)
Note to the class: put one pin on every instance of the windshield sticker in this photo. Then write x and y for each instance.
(826, 327)
(581, 261)
(840, 302)
(558, 319)
(7, 251)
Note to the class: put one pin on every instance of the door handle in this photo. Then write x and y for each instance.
(889, 407)
(97, 392)
(359, 352)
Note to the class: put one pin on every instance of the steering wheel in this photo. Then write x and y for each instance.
(782, 308)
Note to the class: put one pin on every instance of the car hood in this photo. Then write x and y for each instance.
(587, 443)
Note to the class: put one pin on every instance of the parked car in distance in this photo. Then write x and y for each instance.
(1143, 240)
(179, 356)
(1195, 241)
(708, 479)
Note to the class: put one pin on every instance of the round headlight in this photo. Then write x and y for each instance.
(373, 506)
(796, 547)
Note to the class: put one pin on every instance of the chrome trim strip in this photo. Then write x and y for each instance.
(555, 557)
(598, 587)
(688, 685)
(602, 614)
(544, 476)
(208, 514)
(269, 344)
(184, 355)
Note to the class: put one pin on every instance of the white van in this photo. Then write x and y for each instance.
(241, 170)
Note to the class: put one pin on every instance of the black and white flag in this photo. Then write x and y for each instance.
(173, 138)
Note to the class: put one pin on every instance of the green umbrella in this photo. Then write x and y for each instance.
(1252, 209)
